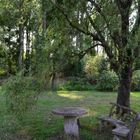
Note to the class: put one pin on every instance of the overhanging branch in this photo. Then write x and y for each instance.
(83, 53)
(95, 36)
(104, 44)
(114, 35)
(137, 23)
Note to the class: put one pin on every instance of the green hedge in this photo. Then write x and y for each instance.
(108, 81)
(135, 86)
(75, 83)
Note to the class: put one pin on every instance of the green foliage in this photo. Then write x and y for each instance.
(108, 81)
(75, 83)
(2, 58)
(95, 65)
(135, 86)
(137, 64)
(40, 124)
(21, 94)
(73, 69)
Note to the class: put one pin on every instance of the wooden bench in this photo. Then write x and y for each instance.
(123, 121)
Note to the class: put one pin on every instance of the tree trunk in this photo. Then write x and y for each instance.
(9, 71)
(125, 86)
(27, 59)
(53, 84)
(21, 49)
(44, 24)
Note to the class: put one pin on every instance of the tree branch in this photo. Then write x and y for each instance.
(137, 23)
(95, 36)
(83, 53)
(102, 39)
(114, 35)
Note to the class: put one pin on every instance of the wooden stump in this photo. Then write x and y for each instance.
(71, 128)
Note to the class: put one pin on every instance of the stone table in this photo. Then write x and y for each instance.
(71, 114)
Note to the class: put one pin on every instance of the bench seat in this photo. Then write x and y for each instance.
(122, 131)
(111, 120)
(124, 121)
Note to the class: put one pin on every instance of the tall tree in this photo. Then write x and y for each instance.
(18, 21)
(114, 24)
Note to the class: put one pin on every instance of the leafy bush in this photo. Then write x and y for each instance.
(94, 66)
(108, 81)
(21, 93)
(135, 86)
(75, 83)
(137, 64)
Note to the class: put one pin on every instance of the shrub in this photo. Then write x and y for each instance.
(75, 83)
(135, 85)
(94, 67)
(137, 64)
(21, 93)
(108, 81)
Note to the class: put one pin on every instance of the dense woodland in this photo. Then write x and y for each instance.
(70, 44)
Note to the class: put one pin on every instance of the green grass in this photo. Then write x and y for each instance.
(41, 124)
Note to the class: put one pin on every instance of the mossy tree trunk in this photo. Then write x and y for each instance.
(124, 86)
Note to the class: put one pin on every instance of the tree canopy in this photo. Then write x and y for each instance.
(48, 36)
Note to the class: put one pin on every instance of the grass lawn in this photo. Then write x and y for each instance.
(41, 124)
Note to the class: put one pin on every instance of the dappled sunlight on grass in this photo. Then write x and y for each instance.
(0, 90)
(92, 112)
(70, 95)
(135, 94)
(42, 124)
